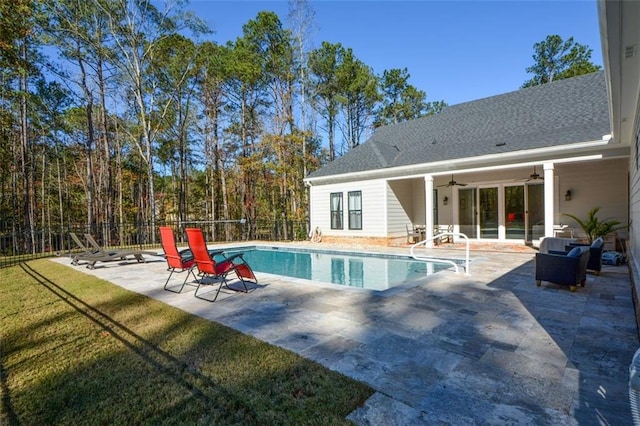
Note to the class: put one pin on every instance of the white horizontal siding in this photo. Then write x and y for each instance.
(634, 202)
(400, 204)
(593, 184)
(373, 208)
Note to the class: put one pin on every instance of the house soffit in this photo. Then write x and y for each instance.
(620, 35)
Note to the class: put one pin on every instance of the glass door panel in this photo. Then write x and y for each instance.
(514, 212)
(467, 212)
(535, 212)
(488, 212)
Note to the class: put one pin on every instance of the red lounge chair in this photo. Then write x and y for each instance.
(210, 268)
(182, 260)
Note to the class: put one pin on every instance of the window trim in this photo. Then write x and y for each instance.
(339, 213)
(354, 211)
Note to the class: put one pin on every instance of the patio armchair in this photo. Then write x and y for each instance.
(211, 269)
(176, 259)
(595, 254)
(560, 268)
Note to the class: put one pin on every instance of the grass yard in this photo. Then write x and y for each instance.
(78, 350)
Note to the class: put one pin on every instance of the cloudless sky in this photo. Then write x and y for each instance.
(455, 51)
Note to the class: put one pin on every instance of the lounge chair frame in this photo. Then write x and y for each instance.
(176, 259)
(209, 268)
(95, 253)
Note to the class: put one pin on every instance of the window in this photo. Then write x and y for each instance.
(336, 210)
(355, 210)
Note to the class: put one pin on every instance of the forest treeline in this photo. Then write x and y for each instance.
(116, 111)
(125, 111)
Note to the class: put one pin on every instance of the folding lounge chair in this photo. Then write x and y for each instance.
(182, 259)
(75, 257)
(98, 254)
(210, 268)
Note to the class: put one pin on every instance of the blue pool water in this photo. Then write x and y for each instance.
(374, 272)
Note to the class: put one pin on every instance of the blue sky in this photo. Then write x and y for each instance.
(455, 51)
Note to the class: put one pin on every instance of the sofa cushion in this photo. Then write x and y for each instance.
(575, 252)
(597, 243)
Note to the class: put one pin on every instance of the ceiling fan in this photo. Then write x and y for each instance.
(453, 183)
(533, 176)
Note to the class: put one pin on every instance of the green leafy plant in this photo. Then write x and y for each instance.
(594, 227)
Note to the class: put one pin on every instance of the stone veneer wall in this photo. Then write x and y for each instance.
(369, 241)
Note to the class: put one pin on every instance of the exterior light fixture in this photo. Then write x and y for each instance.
(567, 196)
(445, 201)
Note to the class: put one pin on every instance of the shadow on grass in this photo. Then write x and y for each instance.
(204, 383)
(160, 360)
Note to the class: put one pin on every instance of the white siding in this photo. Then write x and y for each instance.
(389, 206)
(594, 184)
(400, 206)
(373, 208)
(634, 195)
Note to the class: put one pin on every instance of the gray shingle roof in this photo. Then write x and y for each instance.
(558, 113)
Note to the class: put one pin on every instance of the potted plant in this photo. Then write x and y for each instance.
(594, 227)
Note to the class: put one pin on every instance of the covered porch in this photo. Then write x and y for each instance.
(519, 203)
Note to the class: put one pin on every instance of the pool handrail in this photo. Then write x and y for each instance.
(431, 259)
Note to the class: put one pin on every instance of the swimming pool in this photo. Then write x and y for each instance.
(368, 271)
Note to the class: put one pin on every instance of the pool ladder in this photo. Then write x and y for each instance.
(451, 262)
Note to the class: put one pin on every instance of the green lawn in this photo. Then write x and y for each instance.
(78, 350)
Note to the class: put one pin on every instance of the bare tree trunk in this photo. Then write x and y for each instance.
(60, 204)
(88, 149)
(25, 163)
(108, 195)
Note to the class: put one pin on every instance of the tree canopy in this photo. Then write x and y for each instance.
(117, 111)
(556, 59)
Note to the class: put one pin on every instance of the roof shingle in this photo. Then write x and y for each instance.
(558, 113)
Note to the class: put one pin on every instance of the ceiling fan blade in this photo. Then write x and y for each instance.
(461, 184)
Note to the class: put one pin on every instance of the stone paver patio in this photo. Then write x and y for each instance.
(488, 348)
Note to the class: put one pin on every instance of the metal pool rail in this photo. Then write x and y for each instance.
(431, 259)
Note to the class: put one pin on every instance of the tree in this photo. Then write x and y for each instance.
(357, 97)
(323, 64)
(556, 59)
(173, 68)
(401, 101)
(138, 28)
(213, 74)
(301, 17)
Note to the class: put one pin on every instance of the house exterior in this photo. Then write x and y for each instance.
(502, 169)
(620, 35)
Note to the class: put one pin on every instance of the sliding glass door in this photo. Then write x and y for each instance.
(488, 212)
(518, 209)
(467, 212)
(535, 212)
(514, 211)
